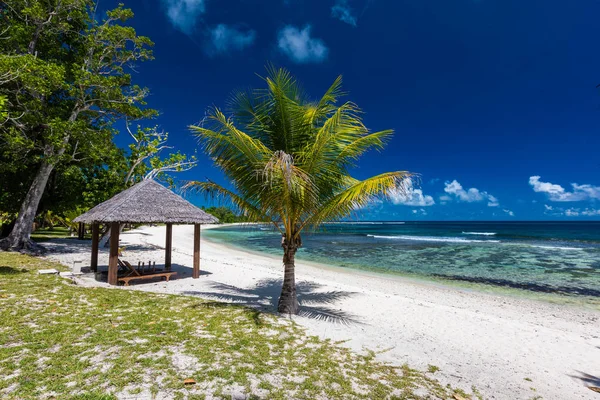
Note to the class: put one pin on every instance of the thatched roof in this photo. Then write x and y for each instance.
(147, 202)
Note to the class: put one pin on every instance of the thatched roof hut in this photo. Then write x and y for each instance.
(145, 202)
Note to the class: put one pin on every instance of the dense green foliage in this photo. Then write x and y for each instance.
(288, 159)
(226, 215)
(65, 79)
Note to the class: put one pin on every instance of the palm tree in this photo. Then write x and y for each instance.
(288, 160)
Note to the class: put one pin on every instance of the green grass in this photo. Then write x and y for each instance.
(58, 340)
(432, 368)
(58, 232)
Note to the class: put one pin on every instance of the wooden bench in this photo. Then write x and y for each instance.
(166, 275)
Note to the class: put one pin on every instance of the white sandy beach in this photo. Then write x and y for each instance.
(507, 347)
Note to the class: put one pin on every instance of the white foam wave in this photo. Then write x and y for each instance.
(433, 239)
(480, 233)
(365, 223)
(557, 247)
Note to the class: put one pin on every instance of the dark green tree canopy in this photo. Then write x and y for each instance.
(66, 78)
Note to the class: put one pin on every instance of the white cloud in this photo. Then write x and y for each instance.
(409, 196)
(592, 192)
(512, 214)
(183, 14)
(492, 201)
(342, 11)
(471, 195)
(547, 207)
(572, 213)
(457, 190)
(588, 212)
(300, 46)
(558, 193)
(576, 212)
(225, 38)
(420, 211)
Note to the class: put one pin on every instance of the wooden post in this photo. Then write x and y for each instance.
(168, 247)
(114, 253)
(95, 239)
(196, 271)
(81, 231)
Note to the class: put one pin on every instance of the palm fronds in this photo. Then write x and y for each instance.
(287, 157)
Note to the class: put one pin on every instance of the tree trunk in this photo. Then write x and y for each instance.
(19, 237)
(81, 231)
(288, 300)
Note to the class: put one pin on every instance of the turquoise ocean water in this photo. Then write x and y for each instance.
(549, 260)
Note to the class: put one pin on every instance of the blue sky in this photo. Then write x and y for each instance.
(494, 103)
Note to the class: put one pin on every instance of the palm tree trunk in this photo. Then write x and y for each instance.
(288, 300)
(19, 237)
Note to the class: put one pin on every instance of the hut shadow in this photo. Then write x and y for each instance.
(264, 295)
(182, 273)
(587, 379)
(139, 247)
(68, 246)
(186, 271)
(135, 232)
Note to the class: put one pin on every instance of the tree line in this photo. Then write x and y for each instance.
(65, 82)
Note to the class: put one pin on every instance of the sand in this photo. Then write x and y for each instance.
(507, 347)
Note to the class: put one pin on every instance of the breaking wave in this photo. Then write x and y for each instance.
(433, 239)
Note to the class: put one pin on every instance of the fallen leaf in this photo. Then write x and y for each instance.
(594, 389)
(458, 397)
(189, 381)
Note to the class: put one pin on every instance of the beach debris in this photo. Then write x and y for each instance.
(594, 389)
(189, 381)
(50, 271)
(459, 397)
(70, 274)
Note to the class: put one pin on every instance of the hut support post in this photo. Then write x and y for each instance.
(81, 231)
(168, 247)
(95, 240)
(196, 271)
(114, 253)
